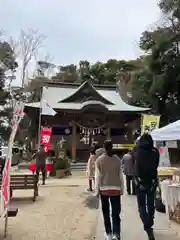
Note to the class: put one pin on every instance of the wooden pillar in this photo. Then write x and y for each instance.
(108, 132)
(129, 134)
(73, 151)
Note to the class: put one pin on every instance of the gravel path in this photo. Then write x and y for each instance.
(61, 212)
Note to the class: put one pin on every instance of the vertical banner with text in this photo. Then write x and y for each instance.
(45, 137)
(149, 123)
(18, 114)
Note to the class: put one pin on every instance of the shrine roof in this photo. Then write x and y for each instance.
(56, 96)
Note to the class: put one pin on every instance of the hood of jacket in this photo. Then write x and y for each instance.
(145, 142)
(99, 152)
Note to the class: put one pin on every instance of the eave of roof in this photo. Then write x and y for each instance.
(79, 106)
(57, 94)
(76, 85)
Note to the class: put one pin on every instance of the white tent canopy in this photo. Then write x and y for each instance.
(171, 132)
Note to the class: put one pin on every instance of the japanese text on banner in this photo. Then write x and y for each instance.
(45, 138)
(149, 123)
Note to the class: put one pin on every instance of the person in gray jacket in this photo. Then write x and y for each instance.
(128, 164)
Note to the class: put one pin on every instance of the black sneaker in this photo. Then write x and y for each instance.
(89, 190)
(151, 237)
(150, 234)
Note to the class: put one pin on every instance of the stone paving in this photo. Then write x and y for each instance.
(132, 226)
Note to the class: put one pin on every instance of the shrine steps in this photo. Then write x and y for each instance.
(78, 166)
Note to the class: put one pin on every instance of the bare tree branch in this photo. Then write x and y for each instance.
(48, 58)
(30, 41)
(14, 46)
(44, 65)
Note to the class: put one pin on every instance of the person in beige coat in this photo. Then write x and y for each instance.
(109, 187)
(90, 171)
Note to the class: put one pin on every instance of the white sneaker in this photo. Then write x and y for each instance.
(108, 237)
(115, 238)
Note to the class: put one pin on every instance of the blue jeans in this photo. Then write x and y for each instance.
(115, 202)
(41, 167)
(146, 206)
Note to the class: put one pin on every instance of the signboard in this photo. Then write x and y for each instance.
(149, 123)
(164, 160)
(45, 137)
(171, 144)
(123, 146)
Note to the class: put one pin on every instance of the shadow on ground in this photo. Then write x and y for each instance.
(9, 237)
(90, 200)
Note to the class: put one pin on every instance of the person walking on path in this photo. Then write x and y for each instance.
(128, 166)
(91, 168)
(146, 164)
(109, 186)
(40, 157)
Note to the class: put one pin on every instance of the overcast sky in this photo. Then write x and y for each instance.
(82, 29)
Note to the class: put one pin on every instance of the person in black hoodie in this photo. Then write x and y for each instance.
(146, 178)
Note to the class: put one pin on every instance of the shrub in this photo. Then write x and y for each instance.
(60, 164)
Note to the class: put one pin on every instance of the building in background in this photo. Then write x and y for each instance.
(86, 113)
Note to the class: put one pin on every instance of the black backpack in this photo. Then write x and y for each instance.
(147, 161)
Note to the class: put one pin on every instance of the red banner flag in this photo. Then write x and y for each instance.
(45, 138)
(6, 184)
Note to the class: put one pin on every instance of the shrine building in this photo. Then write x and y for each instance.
(86, 113)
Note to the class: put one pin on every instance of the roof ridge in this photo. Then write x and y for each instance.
(76, 84)
(79, 89)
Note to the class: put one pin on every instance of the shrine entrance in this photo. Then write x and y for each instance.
(85, 113)
(91, 125)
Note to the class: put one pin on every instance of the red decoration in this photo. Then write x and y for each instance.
(45, 139)
(6, 183)
(32, 167)
(161, 149)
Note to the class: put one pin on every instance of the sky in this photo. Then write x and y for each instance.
(76, 30)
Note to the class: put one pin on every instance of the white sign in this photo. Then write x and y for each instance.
(164, 160)
(171, 144)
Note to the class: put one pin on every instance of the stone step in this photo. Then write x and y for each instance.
(78, 167)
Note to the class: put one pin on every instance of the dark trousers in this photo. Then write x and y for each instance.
(91, 183)
(130, 184)
(41, 167)
(115, 202)
(146, 206)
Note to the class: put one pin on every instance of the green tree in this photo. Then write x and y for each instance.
(7, 63)
(160, 78)
(67, 74)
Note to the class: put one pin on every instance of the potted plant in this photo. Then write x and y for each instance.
(60, 167)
